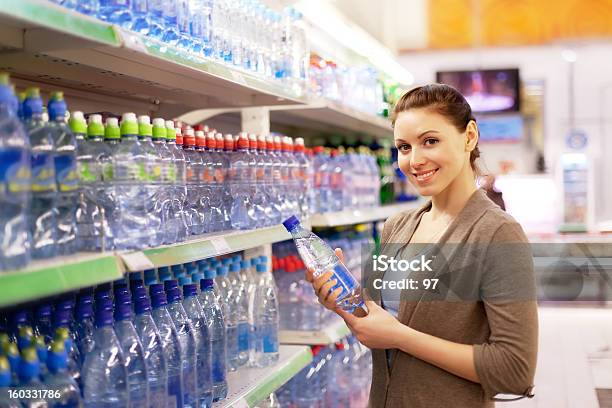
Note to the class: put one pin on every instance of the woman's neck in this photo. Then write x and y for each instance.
(449, 202)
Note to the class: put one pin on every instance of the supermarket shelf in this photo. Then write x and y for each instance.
(249, 386)
(62, 274)
(46, 43)
(334, 332)
(331, 116)
(212, 245)
(334, 219)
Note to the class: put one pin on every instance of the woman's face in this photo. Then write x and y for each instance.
(431, 151)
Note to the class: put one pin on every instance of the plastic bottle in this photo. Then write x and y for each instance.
(140, 17)
(194, 168)
(187, 342)
(179, 190)
(261, 201)
(183, 18)
(336, 182)
(170, 22)
(241, 180)
(29, 377)
(153, 170)
(170, 223)
(204, 187)
(304, 177)
(198, 24)
(228, 151)
(43, 321)
(214, 316)
(88, 7)
(201, 326)
(42, 219)
(83, 329)
(265, 320)
(322, 181)
(130, 175)
(105, 381)
(5, 383)
(65, 390)
(293, 171)
(239, 309)
(115, 12)
(170, 345)
(138, 375)
(153, 352)
(216, 176)
(14, 183)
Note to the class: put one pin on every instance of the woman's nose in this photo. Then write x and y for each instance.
(417, 159)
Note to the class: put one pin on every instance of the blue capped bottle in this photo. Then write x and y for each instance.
(14, 183)
(5, 383)
(265, 320)
(65, 390)
(29, 378)
(115, 12)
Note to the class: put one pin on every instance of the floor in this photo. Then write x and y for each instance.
(574, 360)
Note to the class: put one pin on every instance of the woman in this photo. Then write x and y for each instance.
(474, 336)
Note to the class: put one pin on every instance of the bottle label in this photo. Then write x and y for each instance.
(345, 280)
(88, 172)
(219, 176)
(66, 172)
(270, 341)
(218, 368)
(243, 336)
(108, 172)
(171, 174)
(14, 171)
(43, 172)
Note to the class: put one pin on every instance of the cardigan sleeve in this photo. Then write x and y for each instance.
(506, 362)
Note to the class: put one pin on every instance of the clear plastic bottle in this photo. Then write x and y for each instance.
(239, 310)
(105, 381)
(140, 16)
(187, 341)
(42, 218)
(336, 181)
(66, 175)
(216, 167)
(241, 181)
(273, 177)
(224, 288)
(14, 183)
(138, 374)
(171, 345)
(214, 316)
(5, 383)
(228, 151)
(153, 352)
(115, 12)
(83, 329)
(204, 187)
(321, 181)
(170, 22)
(184, 20)
(305, 174)
(153, 169)
(265, 319)
(198, 24)
(198, 320)
(179, 189)
(261, 206)
(59, 381)
(293, 171)
(194, 168)
(167, 180)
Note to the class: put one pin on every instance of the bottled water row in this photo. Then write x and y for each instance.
(300, 309)
(166, 340)
(341, 374)
(241, 33)
(344, 180)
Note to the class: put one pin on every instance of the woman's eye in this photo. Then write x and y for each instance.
(403, 147)
(430, 141)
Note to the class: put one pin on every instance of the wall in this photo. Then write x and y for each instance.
(592, 99)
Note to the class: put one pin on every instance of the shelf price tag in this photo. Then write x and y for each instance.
(133, 41)
(221, 246)
(136, 261)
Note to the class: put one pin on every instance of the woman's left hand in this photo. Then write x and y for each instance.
(378, 330)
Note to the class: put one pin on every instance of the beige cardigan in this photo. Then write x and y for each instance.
(504, 332)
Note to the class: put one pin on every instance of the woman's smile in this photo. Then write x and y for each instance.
(425, 176)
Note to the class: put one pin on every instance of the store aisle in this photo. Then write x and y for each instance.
(574, 361)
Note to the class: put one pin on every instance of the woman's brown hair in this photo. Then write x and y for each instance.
(444, 100)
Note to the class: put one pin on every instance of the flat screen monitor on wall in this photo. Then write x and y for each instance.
(487, 90)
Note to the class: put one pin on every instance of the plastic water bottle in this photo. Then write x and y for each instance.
(167, 180)
(153, 352)
(322, 181)
(153, 170)
(170, 22)
(14, 183)
(115, 12)
(320, 257)
(140, 17)
(217, 173)
(293, 171)
(59, 381)
(194, 168)
(29, 374)
(198, 320)
(198, 24)
(239, 310)
(43, 321)
(336, 182)
(204, 180)
(187, 343)
(83, 328)
(179, 191)
(305, 174)
(183, 17)
(228, 151)
(88, 7)
(241, 179)
(5, 383)
(214, 316)
(261, 205)
(265, 320)
(170, 345)
(105, 381)
(66, 174)
(138, 376)
(42, 220)
(130, 176)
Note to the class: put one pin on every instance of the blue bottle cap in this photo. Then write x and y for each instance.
(150, 276)
(226, 261)
(245, 264)
(56, 107)
(215, 263)
(85, 299)
(123, 298)
(84, 311)
(235, 267)
(210, 273)
(222, 271)
(119, 281)
(142, 305)
(159, 299)
(260, 268)
(135, 276)
(29, 367)
(263, 259)
(254, 261)
(123, 311)
(190, 290)
(104, 317)
(57, 358)
(176, 269)
(174, 295)
(32, 105)
(202, 263)
(139, 293)
(206, 284)
(120, 287)
(104, 304)
(61, 318)
(24, 337)
(19, 318)
(156, 288)
(291, 222)
(103, 294)
(136, 283)
(236, 258)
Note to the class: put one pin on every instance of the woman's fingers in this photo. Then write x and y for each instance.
(309, 275)
(320, 281)
(339, 254)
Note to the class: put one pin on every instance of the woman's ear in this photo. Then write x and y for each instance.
(472, 136)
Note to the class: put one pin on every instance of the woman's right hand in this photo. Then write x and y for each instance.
(323, 284)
